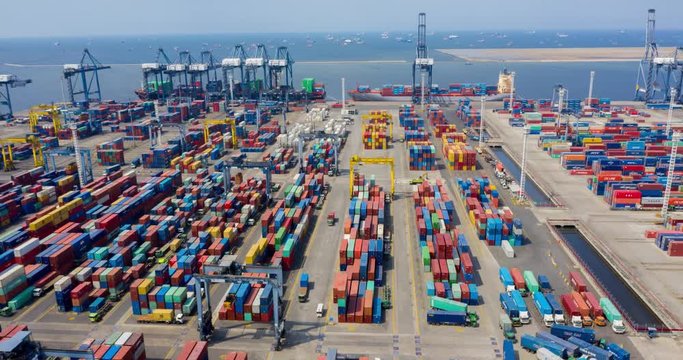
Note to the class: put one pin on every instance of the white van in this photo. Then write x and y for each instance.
(319, 310)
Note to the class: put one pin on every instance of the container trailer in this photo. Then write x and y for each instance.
(577, 281)
(518, 279)
(594, 308)
(507, 304)
(533, 344)
(508, 350)
(613, 315)
(566, 331)
(303, 287)
(572, 349)
(592, 351)
(573, 314)
(439, 317)
(544, 283)
(545, 354)
(584, 310)
(524, 317)
(506, 325)
(558, 312)
(506, 279)
(530, 279)
(543, 308)
(167, 316)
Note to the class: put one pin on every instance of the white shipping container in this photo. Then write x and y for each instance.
(380, 231)
(26, 247)
(652, 201)
(84, 274)
(123, 338)
(63, 283)
(12, 273)
(507, 249)
(256, 305)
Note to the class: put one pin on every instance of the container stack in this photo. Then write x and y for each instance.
(138, 131)
(359, 282)
(416, 135)
(170, 117)
(374, 136)
(146, 297)
(160, 157)
(13, 287)
(320, 158)
(459, 156)
(441, 129)
(436, 116)
(494, 225)
(111, 153)
(285, 226)
(119, 345)
(422, 155)
(248, 301)
(194, 350)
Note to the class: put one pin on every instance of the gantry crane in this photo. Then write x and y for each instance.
(657, 75)
(178, 72)
(202, 69)
(231, 273)
(155, 71)
(155, 133)
(237, 61)
(252, 66)
(240, 162)
(377, 118)
(355, 160)
(38, 112)
(227, 121)
(86, 172)
(89, 85)
(7, 152)
(423, 63)
(9, 81)
(279, 67)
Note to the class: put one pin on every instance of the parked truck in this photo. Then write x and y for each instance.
(577, 282)
(530, 280)
(167, 316)
(508, 350)
(618, 353)
(543, 308)
(518, 279)
(506, 325)
(572, 310)
(558, 312)
(544, 283)
(510, 308)
(594, 308)
(572, 349)
(506, 279)
(98, 309)
(586, 319)
(613, 315)
(439, 317)
(533, 344)
(524, 317)
(303, 287)
(566, 331)
(590, 350)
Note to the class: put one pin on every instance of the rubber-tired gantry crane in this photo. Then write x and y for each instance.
(9, 81)
(240, 162)
(423, 64)
(658, 75)
(228, 122)
(155, 85)
(8, 155)
(38, 112)
(356, 160)
(83, 79)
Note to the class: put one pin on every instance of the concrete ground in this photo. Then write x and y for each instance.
(404, 333)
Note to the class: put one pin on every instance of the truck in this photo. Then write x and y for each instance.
(524, 317)
(558, 312)
(543, 308)
(583, 309)
(506, 325)
(572, 310)
(508, 350)
(530, 279)
(506, 279)
(440, 317)
(618, 353)
(518, 279)
(533, 344)
(331, 218)
(590, 350)
(98, 309)
(577, 282)
(594, 308)
(510, 308)
(566, 331)
(613, 315)
(545, 354)
(167, 316)
(303, 287)
(45, 284)
(572, 349)
(544, 283)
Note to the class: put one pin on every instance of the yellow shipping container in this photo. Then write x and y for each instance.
(215, 232)
(229, 233)
(145, 287)
(175, 245)
(251, 254)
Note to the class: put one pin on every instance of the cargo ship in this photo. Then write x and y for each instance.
(405, 93)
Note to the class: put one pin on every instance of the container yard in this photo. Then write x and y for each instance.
(216, 220)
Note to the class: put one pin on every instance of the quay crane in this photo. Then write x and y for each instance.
(8, 81)
(155, 72)
(423, 64)
(205, 68)
(356, 160)
(87, 71)
(281, 66)
(178, 73)
(236, 61)
(657, 74)
(252, 66)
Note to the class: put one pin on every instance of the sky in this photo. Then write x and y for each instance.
(51, 18)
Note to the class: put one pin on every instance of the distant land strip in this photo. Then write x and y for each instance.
(609, 54)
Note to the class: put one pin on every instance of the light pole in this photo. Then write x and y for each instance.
(422, 91)
(522, 175)
(512, 90)
(481, 123)
(671, 111)
(343, 96)
(675, 137)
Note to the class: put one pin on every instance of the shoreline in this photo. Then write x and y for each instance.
(550, 55)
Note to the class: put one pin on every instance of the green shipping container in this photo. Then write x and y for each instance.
(457, 291)
(189, 306)
(530, 279)
(341, 302)
(112, 338)
(22, 299)
(307, 84)
(446, 304)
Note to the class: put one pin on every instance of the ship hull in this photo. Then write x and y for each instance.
(372, 96)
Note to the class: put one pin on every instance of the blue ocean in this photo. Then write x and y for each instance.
(362, 58)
